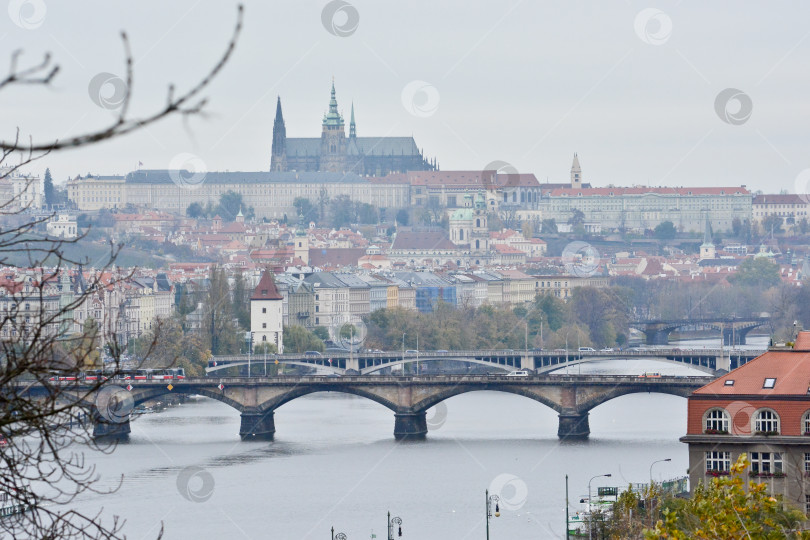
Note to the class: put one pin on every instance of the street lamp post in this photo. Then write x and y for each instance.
(650, 488)
(590, 505)
(417, 353)
(394, 521)
(566, 352)
(338, 536)
(491, 499)
(653, 463)
(403, 352)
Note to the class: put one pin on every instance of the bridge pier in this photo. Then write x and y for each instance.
(573, 426)
(656, 337)
(735, 337)
(257, 426)
(410, 426)
(103, 429)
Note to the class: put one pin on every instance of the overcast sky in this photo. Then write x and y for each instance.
(631, 86)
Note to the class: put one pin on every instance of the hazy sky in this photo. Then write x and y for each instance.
(631, 86)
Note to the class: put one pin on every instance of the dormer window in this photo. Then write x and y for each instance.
(264, 291)
(769, 383)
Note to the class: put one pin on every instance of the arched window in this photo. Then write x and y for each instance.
(477, 244)
(716, 421)
(766, 421)
(461, 234)
(806, 423)
(478, 222)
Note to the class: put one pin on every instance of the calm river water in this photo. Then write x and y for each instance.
(335, 463)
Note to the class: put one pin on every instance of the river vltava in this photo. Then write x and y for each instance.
(335, 462)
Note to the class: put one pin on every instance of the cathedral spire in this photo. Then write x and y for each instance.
(352, 127)
(333, 117)
(278, 151)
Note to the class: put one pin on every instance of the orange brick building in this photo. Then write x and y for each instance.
(763, 409)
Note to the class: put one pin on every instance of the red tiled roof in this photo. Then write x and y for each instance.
(422, 240)
(471, 179)
(641, 190)
(335, 257)
(790, 368)
(266, 289)
(780, 198)
(506, 249)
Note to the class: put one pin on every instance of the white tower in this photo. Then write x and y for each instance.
(266, 323)
(576, 173)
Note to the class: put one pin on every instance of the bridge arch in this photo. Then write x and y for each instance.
(661, 359)
(413, 360)
(595, 401)
(153, 393)
(330, 369)
(301, 391)
(433, 400)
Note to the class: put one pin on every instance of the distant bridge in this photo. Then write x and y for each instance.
(710, 361)
(257, 398)
(734, 329)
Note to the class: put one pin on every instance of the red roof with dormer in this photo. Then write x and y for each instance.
(266, 289)
(790, 369)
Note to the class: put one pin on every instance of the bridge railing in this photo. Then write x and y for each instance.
(383, 379)
(646, 352)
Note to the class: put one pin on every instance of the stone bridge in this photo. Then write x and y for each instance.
(257, 398)
(710, 361)
(733, 329)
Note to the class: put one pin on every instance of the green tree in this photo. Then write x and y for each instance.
(341, 212)
(367, 214)
(553, 308)
(305, 208)
(577, 218)
(265, 347)
(50, 195)
(403, 217)
(772, 223)
(195, 210)
(665, 230)
(218, 326)
(322, 332)
(298, 339)
(86, 350)
(230, 204)
(726, 508)
(240, 306)
(758, 272)
(549, 226)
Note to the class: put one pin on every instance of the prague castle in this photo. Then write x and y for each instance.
(334, 152)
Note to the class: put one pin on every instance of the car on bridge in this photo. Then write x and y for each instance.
(586, 349)
(411, 351)
(606, 349)
(312, 353)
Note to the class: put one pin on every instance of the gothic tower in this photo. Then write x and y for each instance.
(576, 173)
(479, 243)
(333, 138)
(278, 159)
